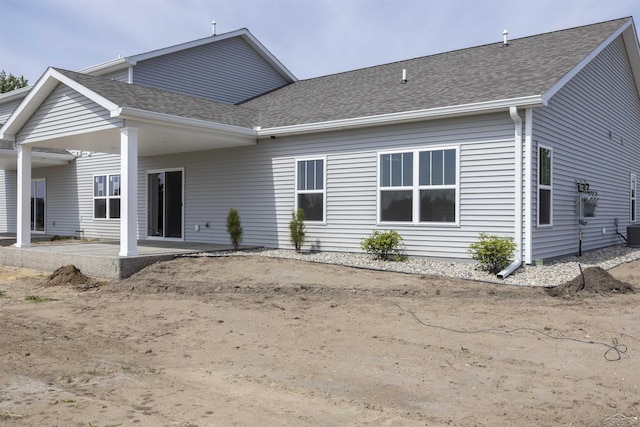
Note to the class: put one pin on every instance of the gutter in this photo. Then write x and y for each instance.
(517, 120)
(162, 118)
(404, 116)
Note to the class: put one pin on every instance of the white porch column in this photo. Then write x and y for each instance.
(23, 235)
(128, 191)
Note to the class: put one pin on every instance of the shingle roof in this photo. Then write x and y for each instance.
(165, 102)
(528, 66)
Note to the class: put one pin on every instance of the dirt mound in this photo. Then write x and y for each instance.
(594, 280)
(71, 275)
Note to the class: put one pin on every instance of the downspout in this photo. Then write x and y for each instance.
(528, 214)
(517, 120)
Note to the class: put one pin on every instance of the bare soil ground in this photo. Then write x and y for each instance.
(256, 341)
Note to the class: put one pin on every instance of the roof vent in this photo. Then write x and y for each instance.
(404, 76)
(213, 28)
(505, 41)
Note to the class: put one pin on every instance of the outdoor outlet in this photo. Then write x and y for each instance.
(197, 227)
(604, 230)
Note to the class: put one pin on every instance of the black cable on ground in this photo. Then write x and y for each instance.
(581, 284)
(614, 351)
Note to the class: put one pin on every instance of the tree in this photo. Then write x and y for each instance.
(234, 228)
(10, 82)
(297, 229)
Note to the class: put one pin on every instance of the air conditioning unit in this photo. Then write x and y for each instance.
(633, 236)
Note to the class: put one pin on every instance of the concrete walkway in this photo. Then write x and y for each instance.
(96, 258)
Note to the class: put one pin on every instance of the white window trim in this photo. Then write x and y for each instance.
(544, 187)
(416, 187)
(633, 197)
(44, 180)
(323, 191)
(107, 197)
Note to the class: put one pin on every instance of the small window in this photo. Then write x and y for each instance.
(106, 196)
(633, 198)
(310, 189)
(545, 193)
(419, 186)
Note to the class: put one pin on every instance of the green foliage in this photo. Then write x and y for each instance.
(297, 229)
(10, 82)
(385, 245)
(492, 252)
(234, 228)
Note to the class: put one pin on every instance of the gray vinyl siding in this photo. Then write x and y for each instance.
(592, 125)
(259, 182)
(65, 112)
(8, 202)
(7, 108)
(69, 197)
(229, 71)
(120, 75)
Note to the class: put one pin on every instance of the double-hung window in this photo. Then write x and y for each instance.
(310, 189)
(633, 198)
(106, 196)
(545, 194)
(419, 186)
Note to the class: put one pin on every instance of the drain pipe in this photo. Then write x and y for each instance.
(517, 120)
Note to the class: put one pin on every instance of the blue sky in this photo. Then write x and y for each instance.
(310, 37)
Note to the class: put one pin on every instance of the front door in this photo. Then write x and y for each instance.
(38, 193)
(164, 204)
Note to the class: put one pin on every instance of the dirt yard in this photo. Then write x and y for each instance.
(254, 341)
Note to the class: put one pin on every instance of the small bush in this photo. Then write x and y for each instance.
(385, 245)
(297, 229)
(492, 252)
(234, 228)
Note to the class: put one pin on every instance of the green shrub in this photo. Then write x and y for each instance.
(492, 252)
(234, 228)
(385, 245)
(297, 229)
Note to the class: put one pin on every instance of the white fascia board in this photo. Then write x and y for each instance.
(14, 94)
(37, 95)
(244, 33)
(7, 136)
(575, 70)
(168, 119)
(268, 56)
(405, 116)
(98, 99)
(28, 105)
(188, 45)
(106, 67)
(51, 156)
(633, 51)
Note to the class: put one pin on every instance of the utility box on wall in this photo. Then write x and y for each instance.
(589, 208)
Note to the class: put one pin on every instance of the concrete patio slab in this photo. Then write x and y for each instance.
(97, 258)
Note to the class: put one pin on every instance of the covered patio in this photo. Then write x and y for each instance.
(96, 258)
(81, 113)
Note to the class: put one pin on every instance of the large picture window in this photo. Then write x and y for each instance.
(633, 198)
(106, 196)
(545, 192)
(310, 189)
(419, 186)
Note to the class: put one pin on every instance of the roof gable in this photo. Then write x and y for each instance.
(124, 100)
(243, 33)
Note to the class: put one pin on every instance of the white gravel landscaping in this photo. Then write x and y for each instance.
(551, 274)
